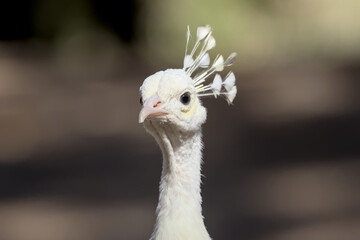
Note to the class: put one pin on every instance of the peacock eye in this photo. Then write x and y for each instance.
(141, 101)
(185, 98)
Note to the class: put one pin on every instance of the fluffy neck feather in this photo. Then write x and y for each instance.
(179, 209)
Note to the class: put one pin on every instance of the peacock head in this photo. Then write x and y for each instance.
(173, 96)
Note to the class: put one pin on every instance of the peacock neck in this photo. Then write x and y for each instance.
(179, 212)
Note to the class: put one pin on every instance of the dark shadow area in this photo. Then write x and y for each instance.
(92, 170)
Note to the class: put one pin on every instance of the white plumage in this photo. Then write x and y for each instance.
(173, 114)
(205, 61)
(229, 81)
(188, 61)
(216, 85)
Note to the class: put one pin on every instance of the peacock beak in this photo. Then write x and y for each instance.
(152, 107)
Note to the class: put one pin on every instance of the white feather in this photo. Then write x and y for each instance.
(211, 43)
(231, 95)
(188, 61)
(230, 59)
(187, 39)
(219, 63)
(229, 81)
(202, 32)
(205, 61)
(216, 85)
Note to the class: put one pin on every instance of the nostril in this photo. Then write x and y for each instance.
(157, 104)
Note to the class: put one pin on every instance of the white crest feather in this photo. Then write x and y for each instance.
(219, 64)
(216, 85)
(229, 81)
(188, 61)
(202, 32)
(229, 61)
(231, 94)
(211, 43)
(205, 61)
(187, 39)
(200, 59)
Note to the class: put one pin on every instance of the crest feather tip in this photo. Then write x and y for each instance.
(197, 59)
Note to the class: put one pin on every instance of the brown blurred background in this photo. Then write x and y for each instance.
(282, 163)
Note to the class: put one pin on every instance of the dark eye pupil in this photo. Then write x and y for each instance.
(141, 101)
(185, 98)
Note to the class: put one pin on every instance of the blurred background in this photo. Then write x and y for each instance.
(282, 163)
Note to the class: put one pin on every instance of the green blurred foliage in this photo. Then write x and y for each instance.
(263, 32)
